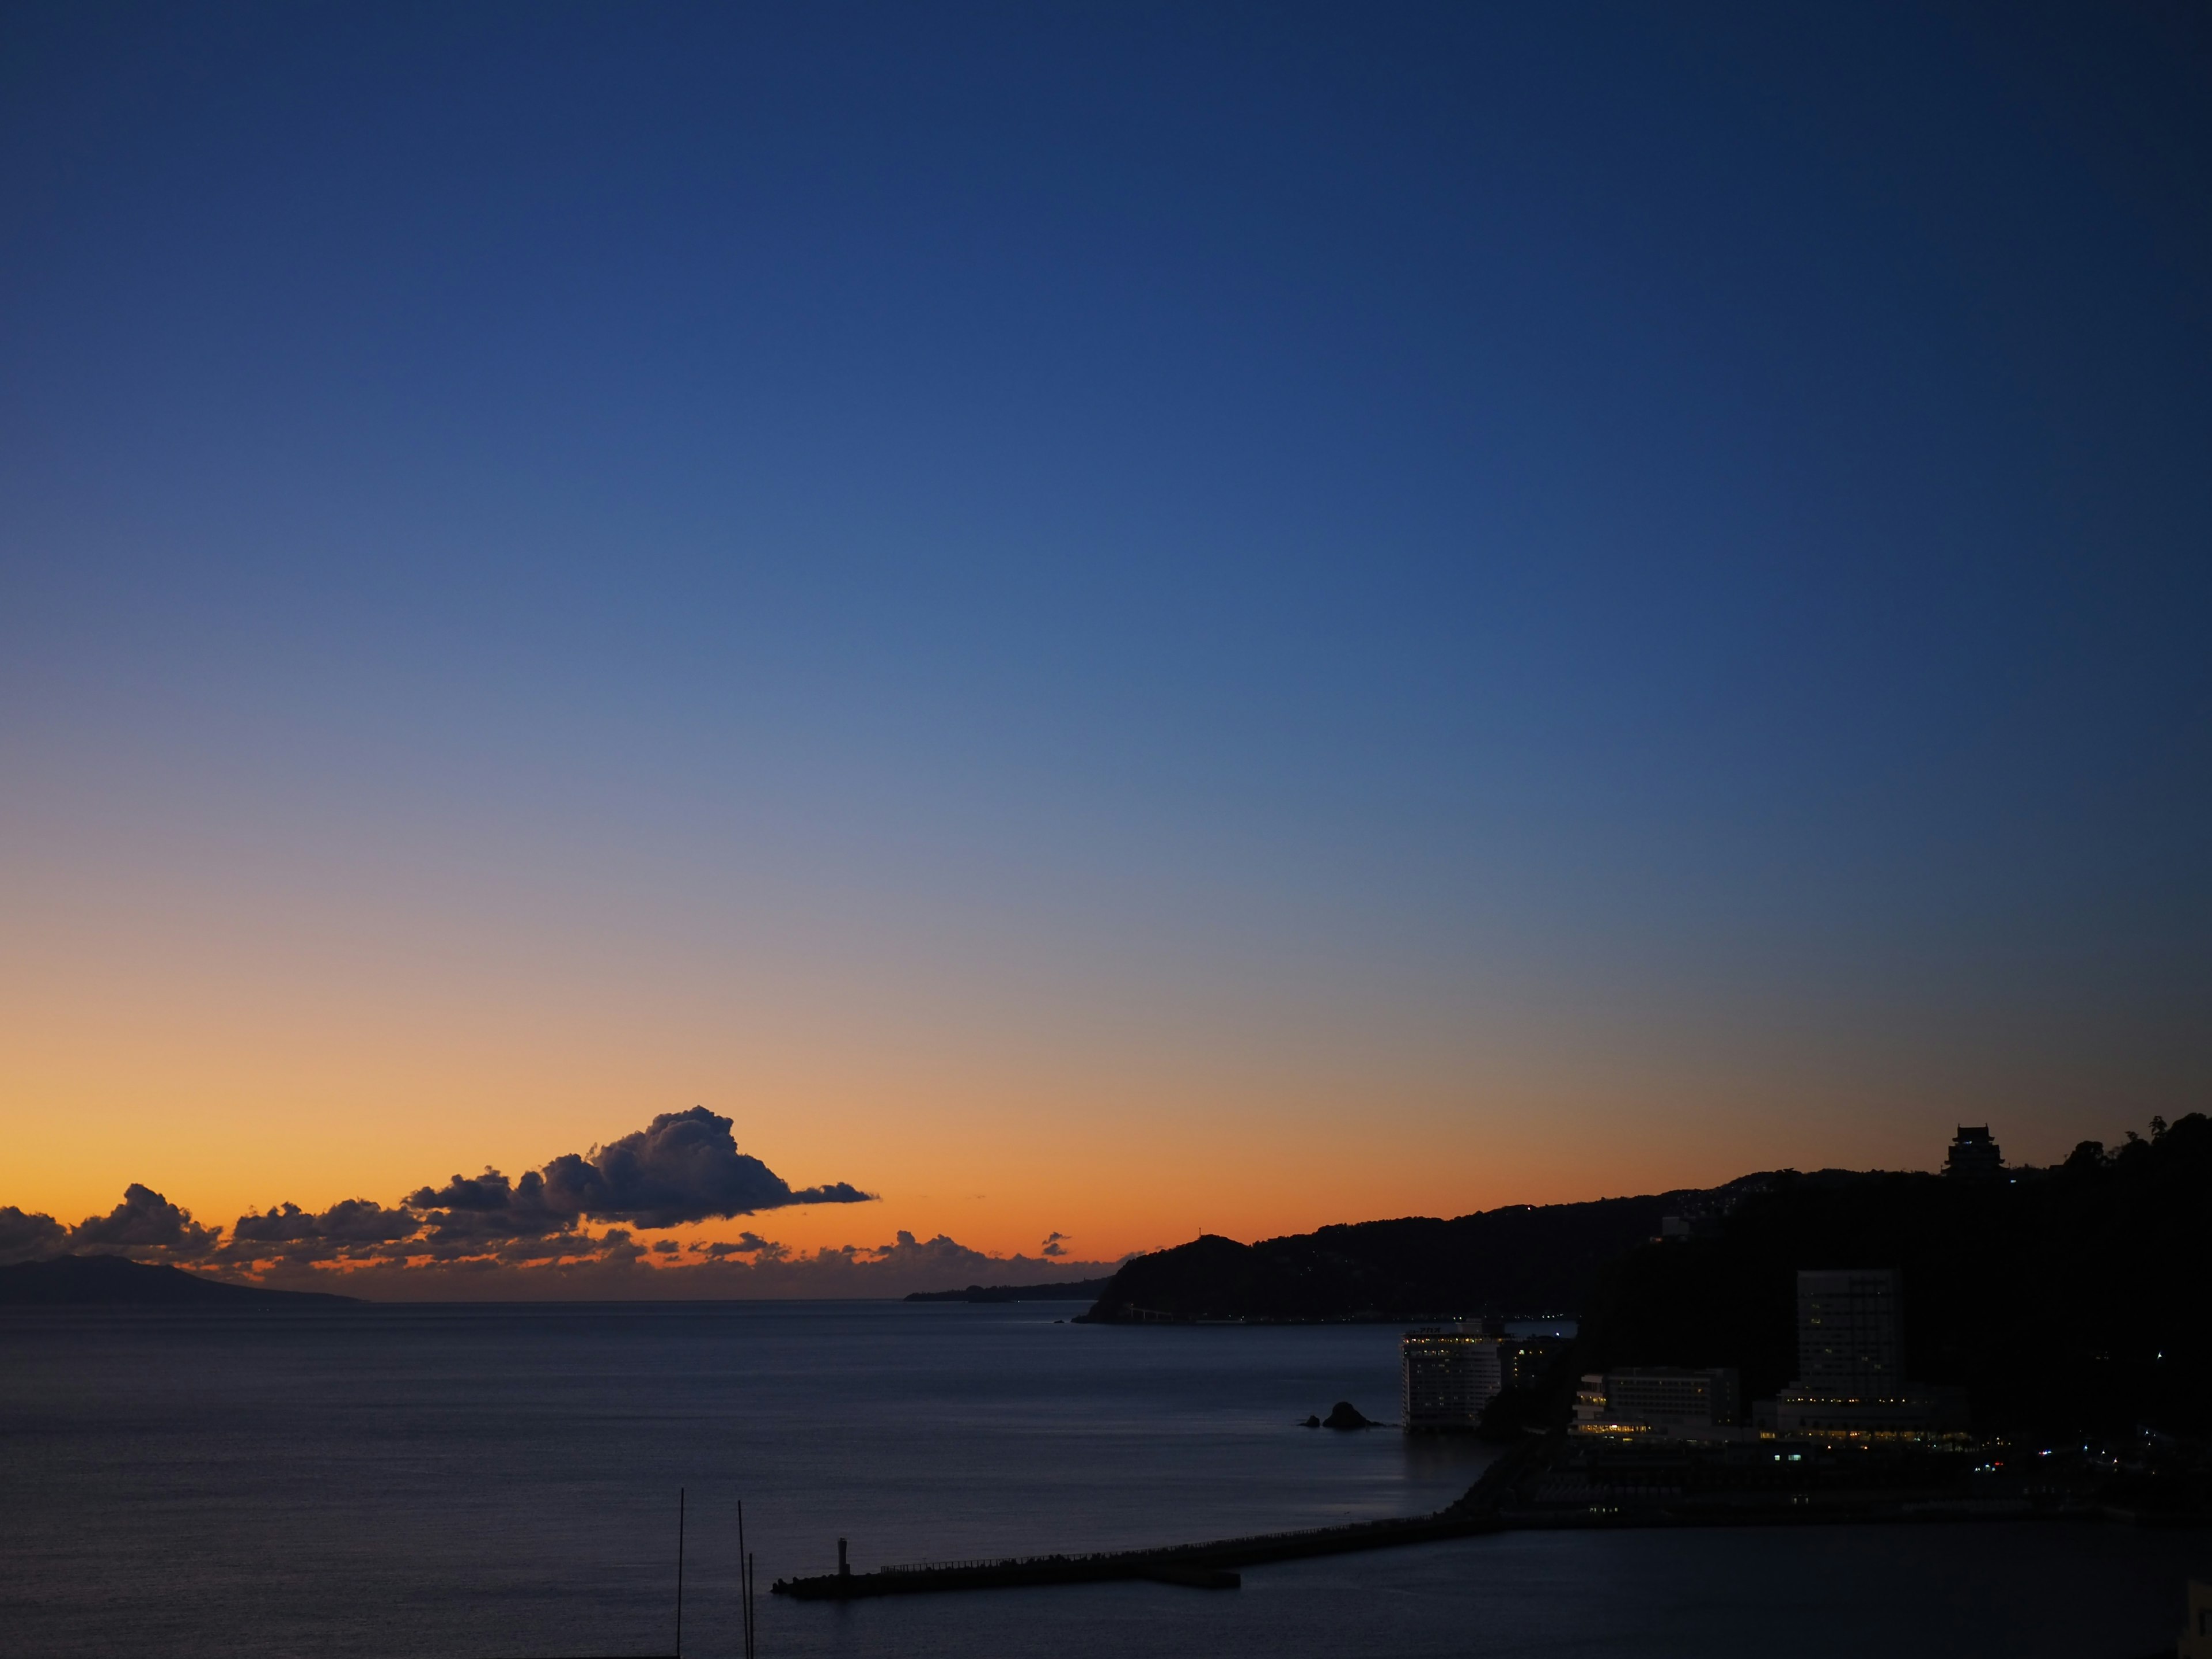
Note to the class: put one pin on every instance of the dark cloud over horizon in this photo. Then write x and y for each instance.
(28, 1237)
(145, 1220)
(354, 1229)
(145, 1224)
(488, 1236)
(353, 1220)
(683, 1167)
(358, 1246)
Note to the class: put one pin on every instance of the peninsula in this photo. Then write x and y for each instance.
(115, 1280)
(1067, 1289)
(2076, 1297)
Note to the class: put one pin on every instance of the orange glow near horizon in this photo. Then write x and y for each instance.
(266, 1041)
(229, 1096)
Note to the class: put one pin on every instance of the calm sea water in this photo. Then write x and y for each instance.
(481, 1482)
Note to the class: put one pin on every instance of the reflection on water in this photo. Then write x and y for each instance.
(1451, 1462)
(459, 1482)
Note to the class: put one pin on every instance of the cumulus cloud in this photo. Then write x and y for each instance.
(485, 1211)
(352, 1229)
(489, 1207)
(349, 1221)
(28, 1237)
(145, 1221)
(683, 1167)
(396, 1254)
(1053, 1244)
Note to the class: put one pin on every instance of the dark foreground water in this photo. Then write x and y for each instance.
(485, 1482)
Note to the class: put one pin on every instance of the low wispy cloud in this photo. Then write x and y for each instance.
(742, 1244)
(616, 1267)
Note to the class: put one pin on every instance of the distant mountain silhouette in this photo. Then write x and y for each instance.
(89, 1280)
(1069, 1290)
(2078, 1297)
(1525, 1259)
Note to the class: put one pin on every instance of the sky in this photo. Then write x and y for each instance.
(1099, 622)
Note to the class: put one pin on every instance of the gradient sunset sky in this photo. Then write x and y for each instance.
(1113, 619)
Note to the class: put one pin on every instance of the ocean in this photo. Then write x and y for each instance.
(500, 1483)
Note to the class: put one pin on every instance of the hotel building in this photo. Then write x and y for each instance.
(1450, 1373)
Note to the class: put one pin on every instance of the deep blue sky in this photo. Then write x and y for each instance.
(1671, 544)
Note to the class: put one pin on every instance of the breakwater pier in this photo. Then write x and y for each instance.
(1556, 1483)
(1210, 1565)
(1213, 1565)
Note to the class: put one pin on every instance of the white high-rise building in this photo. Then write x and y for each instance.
(1850, 1362)
(1850, 1343)
(1450, 1374)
